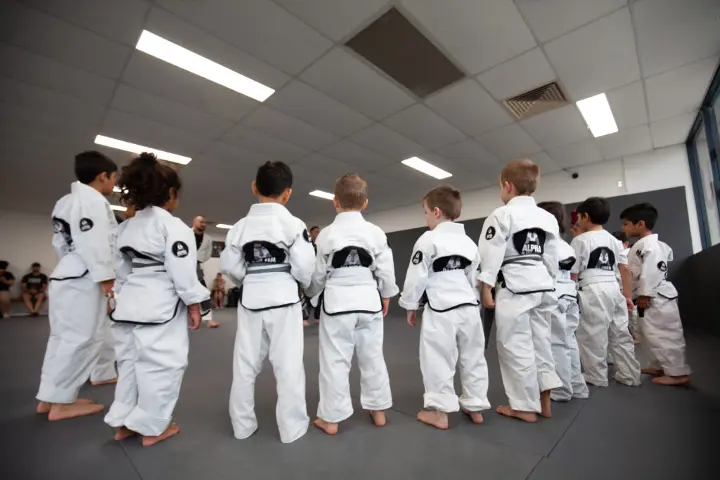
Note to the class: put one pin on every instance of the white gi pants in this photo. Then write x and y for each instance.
(663, 342)
(563, 324)
(524, 347)
(277, 333)
(604, 326)
(151, 363)
(445, 338)
(77, 313)
(104, 368)
(340, 335)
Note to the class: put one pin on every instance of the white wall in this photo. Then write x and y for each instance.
(656, 170)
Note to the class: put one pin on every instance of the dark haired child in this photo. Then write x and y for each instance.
(603, 306)
(269, 255)
(157, 295)
(443, 272)
(84, 238)
(663, 342)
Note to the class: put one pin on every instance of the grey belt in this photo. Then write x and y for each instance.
(524, 260)
(254, 268)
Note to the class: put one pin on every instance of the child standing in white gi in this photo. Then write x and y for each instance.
(443, 271)
(269, 255)
(354, 271)
(519, 254)
(157, 294)
(603, 306)
(659, 322)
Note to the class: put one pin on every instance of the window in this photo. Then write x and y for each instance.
(709, 191)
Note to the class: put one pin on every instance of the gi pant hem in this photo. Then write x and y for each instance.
(243, 433)
(474, 404)
(291, 438)
(631, 382)
(118, 413)
(108, 375)
(595, 381)
(560, 396)
(549, 381)
(52, 394)
(582, 393)
(525, 407)
(378, 407)
(335, 418)
(441, 402)
(145, 424)
(677, 371)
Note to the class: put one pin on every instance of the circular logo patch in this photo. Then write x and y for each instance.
(417, 258)
(86, 224)
(662, 266)
(180, 249)
(490, 233)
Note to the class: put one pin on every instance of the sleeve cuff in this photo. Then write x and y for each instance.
(408, 305)
(194, 296)
(487, 278)
(102, 275)
(389, 292)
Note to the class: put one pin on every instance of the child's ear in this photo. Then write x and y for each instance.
(254, 189)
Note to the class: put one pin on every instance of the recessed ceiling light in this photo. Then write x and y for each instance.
(117, 189)
(192, 62)
(620, 183)
(118, 208)
(426, 168)
(135, 148)
(321, 194)
(224, 226)
(598, 116)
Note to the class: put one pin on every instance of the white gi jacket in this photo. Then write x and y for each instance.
(565, 286)
(598, 255)
(443, 269)
(354, 267)
(648, 263)
(156, 262)
(268, 253)
(205, 251)
(84, 235)
(520, 241)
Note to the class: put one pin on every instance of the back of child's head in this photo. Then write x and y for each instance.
(523, 174)
(351, 191)
(559, 212)
(446, 199)
(146, 182)
(88, 165)
(641, 211)
(273, 178)
(596, 208)
(621, 236)
(4, 264)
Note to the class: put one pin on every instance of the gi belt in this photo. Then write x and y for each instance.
(523, 260)
(254, 268)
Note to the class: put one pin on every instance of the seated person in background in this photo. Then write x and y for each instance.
(218, 290)
(34, 285)
(7, 280)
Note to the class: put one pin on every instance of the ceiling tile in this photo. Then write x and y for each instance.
(334, 18)
(330, 166)
(256, 141)
(671, 131)
(680, 90)
(424, 126)
(119, 21)
(596, 58)
(671, 33)
(625, 142)
(557, 127)
(478, 35)
(551, 18)
(386, 141)
(547, 164)
(510, 143)
(628, 105)
(260, 27)
(469, 107)
(519, 75)
(230, 154)
(576, 154)
(304, 102)
(51, 123)
(468, 149)
(288, 128)
(19, 26)
(357, 84)
(361, 158)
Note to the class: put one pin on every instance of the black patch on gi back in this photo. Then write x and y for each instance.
(451, 262)
(62, 227)
(351, 257)
(180, 249)
(602, 258)
(530, 241)
(263, 252)
(567, 264)
(86, 224)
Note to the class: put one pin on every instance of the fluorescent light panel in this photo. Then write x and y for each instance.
(598, 116)
(321, 194)
(192, 62)
(224, 226)
(118, 208)
(135, 148)
(117, 189)
(426, 168)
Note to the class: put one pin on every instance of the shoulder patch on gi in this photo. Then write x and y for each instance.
(180, 249)
(662, 266)
(490, 233)
(306, 235)
(86, 224)
(417, 258)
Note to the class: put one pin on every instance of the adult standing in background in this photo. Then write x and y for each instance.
(204, 252)
(7, 280)
(34, 285)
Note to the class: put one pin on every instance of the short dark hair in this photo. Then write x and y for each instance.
(90, 164)
(622, 236)
(273, 178)
(523, 174)
(4, 264)
(35, 264)
(559, 212)
(146, 182)
(351, 191)
(596, 208)
(314, 227)
(445, 198)
(641, 211)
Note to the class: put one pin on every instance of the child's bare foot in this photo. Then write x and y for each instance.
(172, 430)
(671, 381)
(44, 407)
(508, 411)
(212, 324)
(476, 417)
(122, 433)
(545, 404)
(60, 411)
(306, 323)
(435, 418)
(655, 372)
(104, 382)
(327, 427)
(378, 418)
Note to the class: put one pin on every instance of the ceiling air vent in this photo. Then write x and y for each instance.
(537, 101)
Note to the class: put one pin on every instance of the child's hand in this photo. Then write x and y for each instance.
(194, 316)
(643, 302)
(386, 306)
(630, 304)
(411, 316)
(487, 298)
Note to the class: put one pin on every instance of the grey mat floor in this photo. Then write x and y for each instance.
(650, 432)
